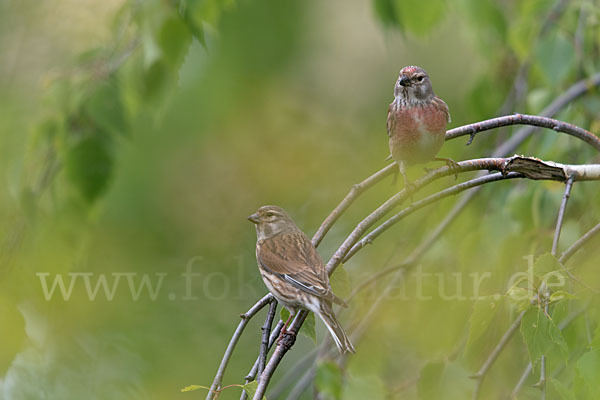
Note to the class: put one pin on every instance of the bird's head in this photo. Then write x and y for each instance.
(270, 221)
(413, 85)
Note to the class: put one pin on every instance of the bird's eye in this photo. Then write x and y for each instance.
(270, 214)
(419, 78)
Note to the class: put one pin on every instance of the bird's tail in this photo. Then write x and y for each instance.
(342, 341)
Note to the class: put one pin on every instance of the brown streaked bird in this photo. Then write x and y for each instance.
(416, 122)
(294, 272)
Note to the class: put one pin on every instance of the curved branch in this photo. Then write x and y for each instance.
(254, 370)
(575, 91)
(570, 95)
(530, 167)
(523, 119)
(579, 243)
(494, 354)
(356, 191)
(266, 331)
(561, 215)
(511, 167)
(216, 385)
(425, 202)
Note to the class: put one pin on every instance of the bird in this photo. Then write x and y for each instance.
(294, 272)
(416, 121)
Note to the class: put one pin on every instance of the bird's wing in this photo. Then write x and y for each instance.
(292, 257)
(441, 104)
(390, 122)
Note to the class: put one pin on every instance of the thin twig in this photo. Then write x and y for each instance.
(480, 376)
(561, 215)
(532, 168)
(277, 355)
(356, 191)
(266, 330)
(253, 371)
(216, 385)
(579, 243)
(575, 91)
(542, 383)
(453, 190)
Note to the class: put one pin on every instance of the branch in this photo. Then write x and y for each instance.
(254, 370)
(531, 168)
(579, 243)
(561, 215)
(567, 97)
(282, 347)
(356, 191)
(523, 119)
(453, 190)
(494, 354)
(542, 382)
(216, 385)
(266, 330)
(574, 92)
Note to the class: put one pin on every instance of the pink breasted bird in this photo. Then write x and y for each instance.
(416, 122)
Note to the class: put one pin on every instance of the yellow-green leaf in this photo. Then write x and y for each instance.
(194, 387)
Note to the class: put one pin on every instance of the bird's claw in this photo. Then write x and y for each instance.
(451, 164)
(286, 339)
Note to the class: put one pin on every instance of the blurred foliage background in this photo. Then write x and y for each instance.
(136, 136)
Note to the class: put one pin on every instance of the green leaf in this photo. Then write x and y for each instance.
(193, 19)
(174, 39)
(487, 16)
(250, 389)
(564, 392)
(328, 380)
(418, 19)
(105, 109)
(555, 56)
(194, 387)
(484, 311)
(595, 343)
(154, 79)
(307, 328)
(386, 12)
(284, 314)
(587, 381)
(430, 381)
(89, 158)
(542, 336)
(561, 295)
(340, 282)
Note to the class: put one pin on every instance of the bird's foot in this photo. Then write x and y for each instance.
(286, 339)
(451, 164)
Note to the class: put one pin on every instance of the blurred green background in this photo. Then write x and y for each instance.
(136, 136)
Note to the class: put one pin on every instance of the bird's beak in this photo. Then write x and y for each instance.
(253, 218)
(404, 81)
